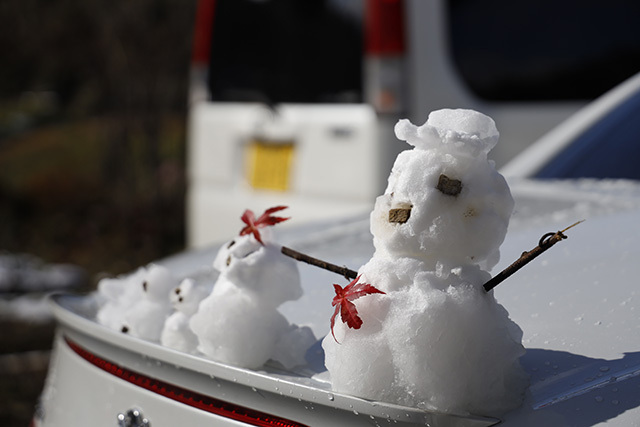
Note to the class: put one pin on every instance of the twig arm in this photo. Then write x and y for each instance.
(545, 243)
(299, 256)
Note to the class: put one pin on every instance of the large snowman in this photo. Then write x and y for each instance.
(435, 339)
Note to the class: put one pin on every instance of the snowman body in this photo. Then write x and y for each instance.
(435, 339)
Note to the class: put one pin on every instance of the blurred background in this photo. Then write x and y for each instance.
(93, 101)
(109, 108)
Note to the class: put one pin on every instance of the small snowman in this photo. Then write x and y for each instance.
(428, 335)
(185, 299)
(116, 295)
(239, 322)
(137, 304)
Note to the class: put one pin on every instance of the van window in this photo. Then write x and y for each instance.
(531, 50)
(275, 51)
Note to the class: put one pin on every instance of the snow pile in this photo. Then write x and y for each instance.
(239, 322)
(435, 339)
(137, 304)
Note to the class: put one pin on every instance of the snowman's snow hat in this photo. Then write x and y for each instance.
(453, 130)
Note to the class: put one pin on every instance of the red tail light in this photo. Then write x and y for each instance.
(182, 395)
(202, 32)
(384, 27)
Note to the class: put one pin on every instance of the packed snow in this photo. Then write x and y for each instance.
(177, 333)
(239, 322)
(435, 339)
(233, 319)
(137, 304)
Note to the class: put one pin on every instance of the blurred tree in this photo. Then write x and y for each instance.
(126, 59)
(123, 63)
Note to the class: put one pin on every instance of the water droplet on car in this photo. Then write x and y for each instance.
(615, 402)
(599, 399)
(604, 368)
(331, 397)
(356, 412)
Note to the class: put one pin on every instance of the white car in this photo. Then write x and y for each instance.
(578, 306)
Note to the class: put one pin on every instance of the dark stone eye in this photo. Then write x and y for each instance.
(449, 186)
(231, 243)
(124, 329)
(228, 261)
(144, 286)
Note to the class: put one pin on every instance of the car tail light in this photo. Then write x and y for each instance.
(201, 51)
(384, 27)
(384, 60)
(182, 395)
(202, 32)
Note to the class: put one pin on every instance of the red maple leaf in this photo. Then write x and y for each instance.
(343, 304)
(266, 219)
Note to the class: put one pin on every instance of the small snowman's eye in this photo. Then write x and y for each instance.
(231, 243)
(228, 261)
(449, 186)
(144, 286)
(180, 299)
(400, 215)
(124, 329)
(177, 291)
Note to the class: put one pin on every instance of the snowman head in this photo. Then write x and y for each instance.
(156, 283)
(187, 296)
(444, 202)
(260, 269)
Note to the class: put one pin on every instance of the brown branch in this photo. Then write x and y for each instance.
(545, 243)
(298, 256)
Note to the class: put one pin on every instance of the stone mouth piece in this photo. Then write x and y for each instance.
(449, 186)
(399, 215)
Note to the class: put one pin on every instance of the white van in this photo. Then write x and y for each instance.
(293, 102)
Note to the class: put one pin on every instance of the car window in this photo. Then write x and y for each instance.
(609, 149)
(296, 51)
